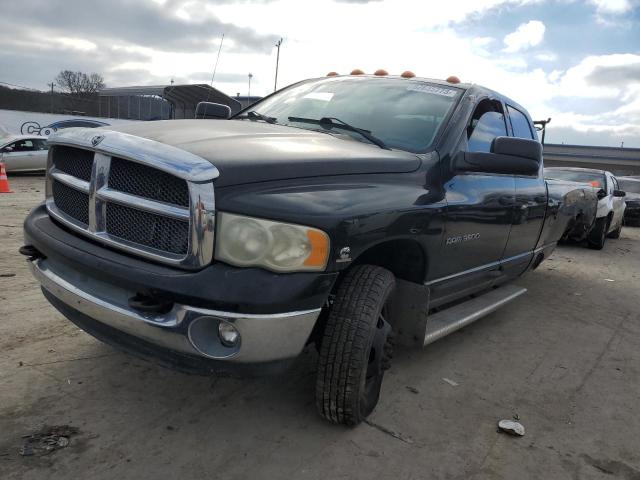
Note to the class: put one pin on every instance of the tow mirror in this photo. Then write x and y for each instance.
(619, 193)
(210, 110)
(601, 194)
(509, 155)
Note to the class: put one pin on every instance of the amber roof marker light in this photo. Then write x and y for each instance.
(357, 71)
(453, 79)
(332, 74)
(381, 72)
(408, 74)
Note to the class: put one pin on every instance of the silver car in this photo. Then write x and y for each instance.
(24, 153)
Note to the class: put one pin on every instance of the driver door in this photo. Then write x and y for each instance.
(478, 213)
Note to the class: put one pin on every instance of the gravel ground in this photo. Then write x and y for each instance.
(564, 359)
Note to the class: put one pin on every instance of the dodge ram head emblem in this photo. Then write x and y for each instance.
(97, 139)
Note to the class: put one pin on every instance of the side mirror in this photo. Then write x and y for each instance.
(619, 193)
(7, 150)
(211, 110)
(511, 156)
(601, 194)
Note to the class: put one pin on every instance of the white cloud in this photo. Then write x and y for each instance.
(614, 7)
(525, 36)
(546, 57)
(76, 43)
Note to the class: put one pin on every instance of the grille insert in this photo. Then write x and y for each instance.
(71, 202)
(73, 161)
(147, 182)
(148, 229)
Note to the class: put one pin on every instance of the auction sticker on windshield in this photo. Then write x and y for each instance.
(426, 88)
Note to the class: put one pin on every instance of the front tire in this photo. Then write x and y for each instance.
(598, 234)
(355, 349)
(616, 233)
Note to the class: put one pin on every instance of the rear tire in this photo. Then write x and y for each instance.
(356, 346)
(598, 234)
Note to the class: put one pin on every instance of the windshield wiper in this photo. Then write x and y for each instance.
(253, 115)
(332, 122)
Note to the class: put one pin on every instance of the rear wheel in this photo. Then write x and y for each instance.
(356, 346)
(598, 234)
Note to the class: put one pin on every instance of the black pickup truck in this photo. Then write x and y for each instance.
(351, 212)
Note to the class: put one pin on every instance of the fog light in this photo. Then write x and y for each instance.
(229, 335)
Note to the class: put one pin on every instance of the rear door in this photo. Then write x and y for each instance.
(529, 206)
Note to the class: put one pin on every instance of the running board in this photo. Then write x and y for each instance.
(448, 321)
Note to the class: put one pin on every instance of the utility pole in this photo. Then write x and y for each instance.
(275, 83)
(51, 85)
(249, 93)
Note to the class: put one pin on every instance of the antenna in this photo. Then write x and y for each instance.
(275, 83)
(215, 67)
(213, 75)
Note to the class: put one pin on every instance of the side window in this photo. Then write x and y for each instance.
(487, 123)
(25, 146)
(12, 146)
(40, 144)
(520, 124)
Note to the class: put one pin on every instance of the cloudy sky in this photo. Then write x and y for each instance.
(575, 61)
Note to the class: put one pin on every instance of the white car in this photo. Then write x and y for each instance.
(23, 153)
(611, 204)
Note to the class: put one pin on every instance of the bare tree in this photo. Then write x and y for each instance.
(79, 83)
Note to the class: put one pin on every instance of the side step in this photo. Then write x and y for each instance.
(448, 321)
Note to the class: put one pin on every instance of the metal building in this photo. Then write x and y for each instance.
(160, 102)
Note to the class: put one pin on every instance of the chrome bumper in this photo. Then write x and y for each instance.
(186, 329)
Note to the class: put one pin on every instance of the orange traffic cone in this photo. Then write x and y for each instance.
(4, 181)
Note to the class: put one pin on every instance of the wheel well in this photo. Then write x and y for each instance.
(404, 258)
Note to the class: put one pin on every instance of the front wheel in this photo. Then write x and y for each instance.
(616, 233)
(598, 234)
(355, 349)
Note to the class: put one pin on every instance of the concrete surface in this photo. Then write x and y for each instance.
(565, 358)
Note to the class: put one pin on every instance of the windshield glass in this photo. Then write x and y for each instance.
(631, 186)
(404, 114)
(594, 179)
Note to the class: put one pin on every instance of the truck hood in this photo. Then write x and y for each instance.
(245, 151)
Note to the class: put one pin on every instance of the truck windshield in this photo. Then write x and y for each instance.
(405, 114)
(593, 178)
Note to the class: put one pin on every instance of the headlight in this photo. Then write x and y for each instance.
(283, 247)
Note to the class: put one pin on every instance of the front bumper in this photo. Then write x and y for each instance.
(184, 329)
(92, 285)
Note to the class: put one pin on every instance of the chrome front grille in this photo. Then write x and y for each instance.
(72, 202)
(74, 161)
(133, 194)
(145, 228)
(147, 182)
